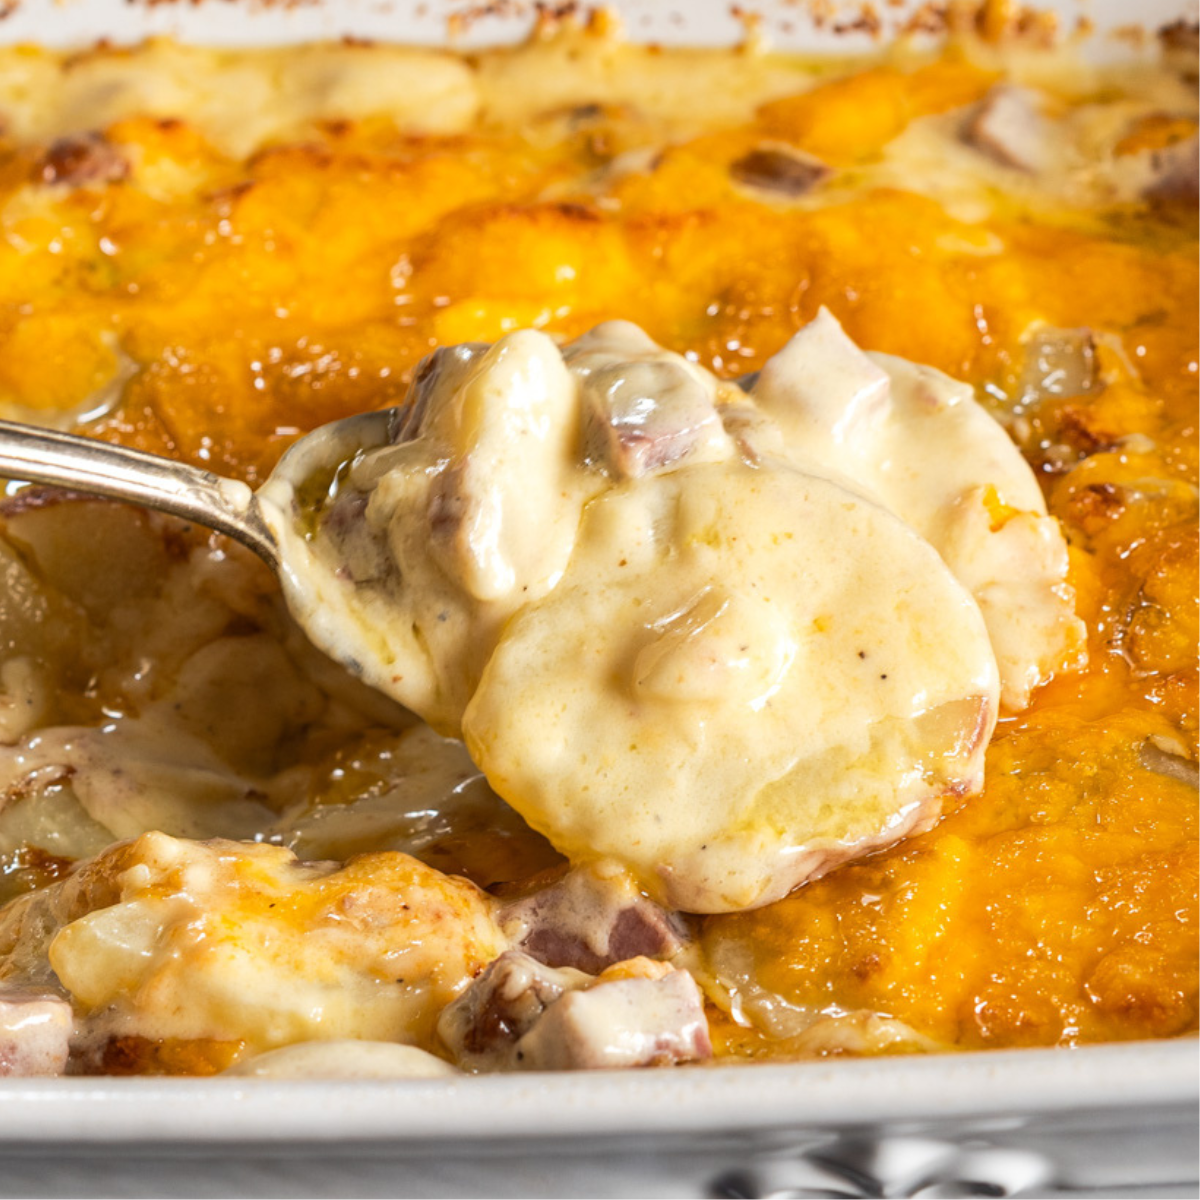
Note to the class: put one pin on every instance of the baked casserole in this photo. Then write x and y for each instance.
(223, 851)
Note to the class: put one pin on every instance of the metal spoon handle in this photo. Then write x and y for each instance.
(102, 469)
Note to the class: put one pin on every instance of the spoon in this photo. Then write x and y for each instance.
(37, 455)
(229, 506)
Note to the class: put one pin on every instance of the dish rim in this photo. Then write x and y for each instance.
(1103, 29)
(733, 1095)
(735, 1098)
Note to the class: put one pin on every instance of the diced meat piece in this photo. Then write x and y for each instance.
(644, 408)
(780, 170)
(1058, 362)
(35, 1034)
(482, 1027)
(522, 1015)
(634, 1022)
(1159, 756)
(1175, 172)
(591, 919)
(643, 416)
(1008, 127)
(86, 158)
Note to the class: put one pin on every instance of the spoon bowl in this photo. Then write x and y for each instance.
(82, 464)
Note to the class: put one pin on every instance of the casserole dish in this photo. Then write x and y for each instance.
(897, 1126)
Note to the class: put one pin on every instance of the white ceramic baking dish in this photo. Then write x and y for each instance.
(1115, 1120)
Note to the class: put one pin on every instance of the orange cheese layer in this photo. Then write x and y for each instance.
(236, 302)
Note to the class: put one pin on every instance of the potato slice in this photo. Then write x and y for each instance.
(744, 677)
(918, 441)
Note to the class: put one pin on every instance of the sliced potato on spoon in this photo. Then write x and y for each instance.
(744, 677)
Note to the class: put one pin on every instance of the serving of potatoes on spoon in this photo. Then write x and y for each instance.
(726, 639)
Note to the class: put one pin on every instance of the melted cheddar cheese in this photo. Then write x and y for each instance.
(206, 255)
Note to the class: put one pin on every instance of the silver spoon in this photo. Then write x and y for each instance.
(37, 455)
(84, 464)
